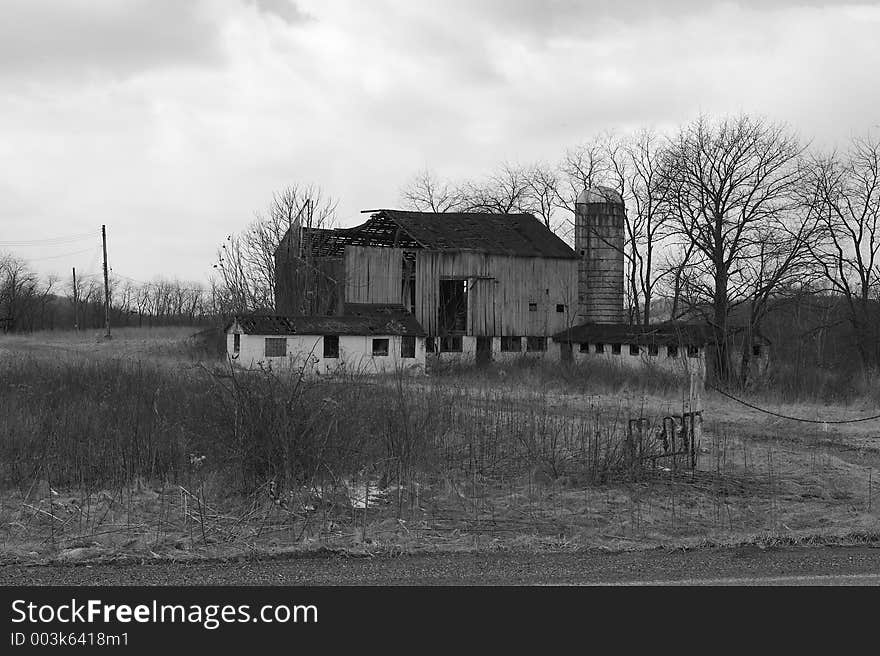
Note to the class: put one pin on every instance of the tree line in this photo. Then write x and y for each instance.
(29, 302)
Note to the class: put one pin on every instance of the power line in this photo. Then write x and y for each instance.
(49, 241)
(801, 419)
(55, 257)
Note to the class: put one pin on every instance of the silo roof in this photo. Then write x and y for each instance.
(599, 194)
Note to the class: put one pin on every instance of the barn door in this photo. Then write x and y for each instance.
(484, 351)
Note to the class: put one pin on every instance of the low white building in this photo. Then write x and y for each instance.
(383, 341)
(674, 347)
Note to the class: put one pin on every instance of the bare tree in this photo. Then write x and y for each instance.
(542, 191)
(507, 190)
(511, 188)
(426, 193)
(246, 262)
(649, 219)
(18, 289)
(731, 182)
(780, 263)
(844, 195)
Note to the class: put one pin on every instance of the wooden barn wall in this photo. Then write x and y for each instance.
(308, 287)
(373, 275)
(500, 289)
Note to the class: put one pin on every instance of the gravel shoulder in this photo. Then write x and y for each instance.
(747, 565)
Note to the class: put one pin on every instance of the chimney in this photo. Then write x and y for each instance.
(598, 240)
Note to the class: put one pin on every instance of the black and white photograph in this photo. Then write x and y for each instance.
(310, 294)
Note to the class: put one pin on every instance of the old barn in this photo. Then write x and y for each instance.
(482, 286)
(468, 286)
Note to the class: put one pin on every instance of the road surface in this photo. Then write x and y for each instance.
(718, 566)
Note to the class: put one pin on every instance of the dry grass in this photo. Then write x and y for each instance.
(109, 452)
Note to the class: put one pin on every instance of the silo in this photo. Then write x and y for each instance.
(598, 238)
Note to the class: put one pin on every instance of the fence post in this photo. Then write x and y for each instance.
(696, 403)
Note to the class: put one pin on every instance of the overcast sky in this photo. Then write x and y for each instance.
(174, 121)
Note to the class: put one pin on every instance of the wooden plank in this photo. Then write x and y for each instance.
(373, 275)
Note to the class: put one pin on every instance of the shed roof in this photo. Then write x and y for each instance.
(372, 323)
(666, 333)
(613, 333)
(520, 235)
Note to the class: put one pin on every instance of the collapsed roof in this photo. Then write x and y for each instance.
(519, 235)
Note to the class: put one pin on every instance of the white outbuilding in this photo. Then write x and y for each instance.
(380, 339)
(671, 346)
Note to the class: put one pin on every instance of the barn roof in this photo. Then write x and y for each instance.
(379, 321)
(520, 235)
(501, 234)
(666, 333)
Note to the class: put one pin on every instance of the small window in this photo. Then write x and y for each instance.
(600, 347)
(534, 344)
(560, 307)
(756, 350)
(408, 346)
(380, 347)
(331, 346)
(511, 344)
(584, 347)
(429, 344)
(236, 343)
(450, 344)
(276, 347)
(693, 351)
(533, 307)
(652, 349)
(672, 351)
(633, 349)
(615, 349)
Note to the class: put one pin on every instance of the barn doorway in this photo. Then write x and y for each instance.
(453, 306)
(484, 351)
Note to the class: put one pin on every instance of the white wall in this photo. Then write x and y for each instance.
(307, 351)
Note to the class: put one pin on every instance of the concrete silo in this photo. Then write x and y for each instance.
(598, 238)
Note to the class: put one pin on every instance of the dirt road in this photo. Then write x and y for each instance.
(728, 566)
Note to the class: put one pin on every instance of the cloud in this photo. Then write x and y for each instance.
(552, 19)
(174, 122)
(286, 10)
(66, 41)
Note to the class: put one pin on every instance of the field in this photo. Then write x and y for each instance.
(150, 446)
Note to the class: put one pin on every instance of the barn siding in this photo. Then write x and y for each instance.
(373, 275)
(303, 287)
(500, 289)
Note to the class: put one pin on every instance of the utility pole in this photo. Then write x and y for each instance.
(75, 298)
(106, 283)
